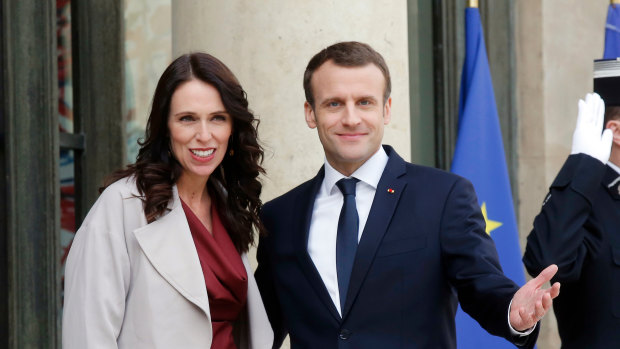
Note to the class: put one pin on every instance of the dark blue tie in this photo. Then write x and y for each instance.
(346, 242)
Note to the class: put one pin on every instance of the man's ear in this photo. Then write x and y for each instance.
(614, 126)
(387, 111)
(310, 116)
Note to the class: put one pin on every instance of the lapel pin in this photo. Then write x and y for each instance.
(390, 190)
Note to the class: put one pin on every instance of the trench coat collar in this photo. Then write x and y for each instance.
(168, 244)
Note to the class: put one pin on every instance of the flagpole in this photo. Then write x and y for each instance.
(474, 3)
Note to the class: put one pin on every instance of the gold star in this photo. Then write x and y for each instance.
(491, 225)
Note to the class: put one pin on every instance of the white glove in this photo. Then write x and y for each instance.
(587, 138)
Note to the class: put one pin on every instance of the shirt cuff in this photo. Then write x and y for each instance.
(519, 333)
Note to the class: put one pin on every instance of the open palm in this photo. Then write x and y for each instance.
(531, 302)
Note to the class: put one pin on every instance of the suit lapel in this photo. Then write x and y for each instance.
(301, 220)
(388, 193)
(169, 246)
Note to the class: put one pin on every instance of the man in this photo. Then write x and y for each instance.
(421, 235)
(578, 227)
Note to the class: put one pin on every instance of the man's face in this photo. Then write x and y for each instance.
(614, 126)
(348, 113)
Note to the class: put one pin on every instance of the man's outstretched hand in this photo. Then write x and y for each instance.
(531, 302)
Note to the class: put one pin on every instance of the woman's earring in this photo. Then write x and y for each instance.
(231, 152)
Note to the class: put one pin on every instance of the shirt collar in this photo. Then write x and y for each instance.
(614, 166)
(370, 172)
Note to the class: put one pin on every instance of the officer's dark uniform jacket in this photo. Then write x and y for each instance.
(578, 229)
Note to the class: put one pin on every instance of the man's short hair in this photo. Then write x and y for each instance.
(346, 54)
(611, 113)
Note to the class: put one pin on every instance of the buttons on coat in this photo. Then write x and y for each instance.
(344, 334)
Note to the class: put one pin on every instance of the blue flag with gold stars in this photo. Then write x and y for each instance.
(612, 32)
(479, 157)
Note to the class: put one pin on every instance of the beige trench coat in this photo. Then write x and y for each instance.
(129, 284)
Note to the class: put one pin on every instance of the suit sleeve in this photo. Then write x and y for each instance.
(96, 279)
(562, 233)
(265, 281)
(472, 265)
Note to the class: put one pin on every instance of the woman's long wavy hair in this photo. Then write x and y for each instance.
(234, 186)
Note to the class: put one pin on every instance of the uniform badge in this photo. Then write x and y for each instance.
(614, 188)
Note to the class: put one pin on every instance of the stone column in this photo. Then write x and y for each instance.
(557, 42)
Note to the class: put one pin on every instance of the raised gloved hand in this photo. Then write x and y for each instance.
(587, 138)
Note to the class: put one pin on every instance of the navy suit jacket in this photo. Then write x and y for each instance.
(423, 247)
(578, 229)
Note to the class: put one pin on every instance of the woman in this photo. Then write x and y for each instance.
(160, 261)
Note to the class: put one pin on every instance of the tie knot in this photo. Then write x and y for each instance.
(347, 185)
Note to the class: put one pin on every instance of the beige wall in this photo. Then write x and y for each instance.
(267, 44)
(557, 41)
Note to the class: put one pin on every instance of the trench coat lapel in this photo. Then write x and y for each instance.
(169, 246)
(254, 330)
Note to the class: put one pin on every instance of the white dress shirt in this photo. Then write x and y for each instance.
(614, 166)
(326, 213)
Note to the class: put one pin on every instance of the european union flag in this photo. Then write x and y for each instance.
(612, 32)
(479, 157)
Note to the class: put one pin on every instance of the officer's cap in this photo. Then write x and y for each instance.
(607, 80)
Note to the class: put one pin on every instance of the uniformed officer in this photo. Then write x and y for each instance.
(578, 227)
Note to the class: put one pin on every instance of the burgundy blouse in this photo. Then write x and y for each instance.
(224, 273)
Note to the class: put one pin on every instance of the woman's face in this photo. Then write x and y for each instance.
(199, 128)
